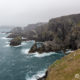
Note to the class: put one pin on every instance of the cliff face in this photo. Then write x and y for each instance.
(62, 32)
(67, 68)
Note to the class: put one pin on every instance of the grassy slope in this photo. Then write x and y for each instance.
(68, 68)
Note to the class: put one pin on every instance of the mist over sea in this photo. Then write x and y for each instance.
(17, 64)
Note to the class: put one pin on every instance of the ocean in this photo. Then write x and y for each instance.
(17, 64)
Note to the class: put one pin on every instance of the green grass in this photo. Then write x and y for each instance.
(65, 68)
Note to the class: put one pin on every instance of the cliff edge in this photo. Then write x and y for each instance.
(67, 68)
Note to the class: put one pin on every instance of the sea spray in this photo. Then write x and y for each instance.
(43, 54)
(4, 38)
(25, 51)
(7, 42)
(37, 75)
(7, 45)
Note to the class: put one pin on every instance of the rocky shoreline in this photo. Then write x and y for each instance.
(48, 46)
(58, 34)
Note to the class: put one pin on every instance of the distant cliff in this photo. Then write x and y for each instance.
(59, 33)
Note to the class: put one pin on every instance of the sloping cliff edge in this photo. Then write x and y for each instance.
(67, 68)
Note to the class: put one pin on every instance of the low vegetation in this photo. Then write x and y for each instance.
(67, 68)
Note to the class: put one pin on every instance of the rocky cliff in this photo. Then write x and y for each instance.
(59, 33)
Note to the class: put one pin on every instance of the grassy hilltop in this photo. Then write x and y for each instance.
(67, 68)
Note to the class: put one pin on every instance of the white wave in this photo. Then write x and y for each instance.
(37, 75)
(4, 38)
(43, 54)
(36, 54)
(2, 33)
(7, 42)
(23, 43)
(25, 51)
(69, 51)
(17, 46)
(31, 41)
(7, 45)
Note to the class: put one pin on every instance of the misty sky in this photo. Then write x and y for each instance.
(23, 12)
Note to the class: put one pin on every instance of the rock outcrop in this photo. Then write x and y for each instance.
(37, 47)
(59, 33)
(47, 46)
(16, 41)
(15, 32)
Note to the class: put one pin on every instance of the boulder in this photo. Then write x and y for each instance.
(16, 41)
(37, 47)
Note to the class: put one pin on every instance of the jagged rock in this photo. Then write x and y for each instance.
(16, 41)
(59, 33)
(37, 47)
(46, 47)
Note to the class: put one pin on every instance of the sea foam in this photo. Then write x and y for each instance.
(23, 43)
(69, 51)
(7, 42)
(43, 54)
(4, 38)
(25, 51)
(38, 75)
(7, 45)
(36, 54)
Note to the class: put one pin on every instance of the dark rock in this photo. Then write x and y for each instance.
(37, 47)
(15, 32)
(59, 33)
(16, 41)
(46, 47)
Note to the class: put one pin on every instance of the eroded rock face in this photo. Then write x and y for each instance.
(16, 41)
(47, 46)
(59, 33)
(37, 47)
(15, 32)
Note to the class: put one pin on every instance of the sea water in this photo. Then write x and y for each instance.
(17, 64)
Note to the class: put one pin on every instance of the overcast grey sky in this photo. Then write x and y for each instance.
(23, 12)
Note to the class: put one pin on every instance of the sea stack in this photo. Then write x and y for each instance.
(16, 41)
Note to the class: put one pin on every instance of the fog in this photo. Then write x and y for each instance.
(23, 12)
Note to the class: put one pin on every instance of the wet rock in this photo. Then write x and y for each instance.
(37, 47)
(16, 41)
(46, 47)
